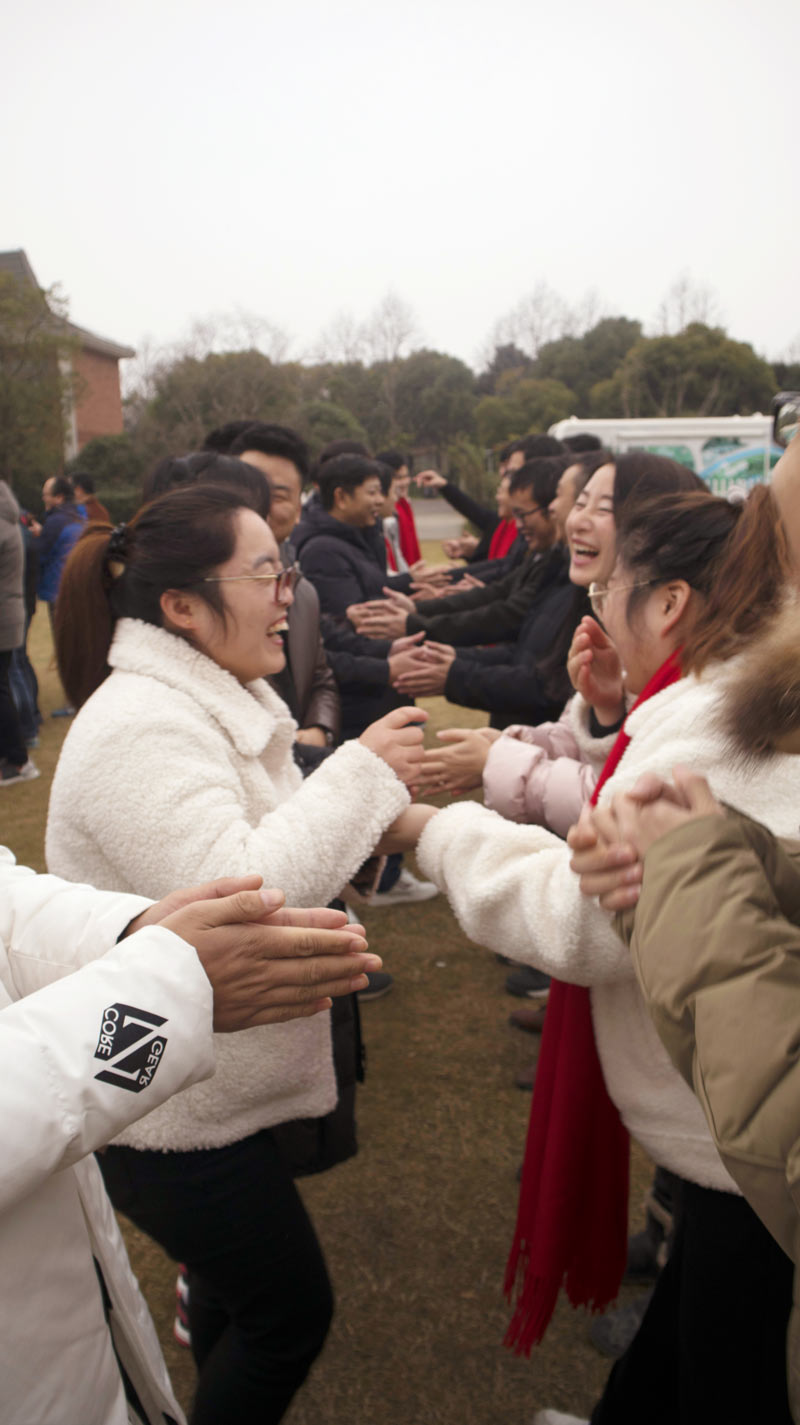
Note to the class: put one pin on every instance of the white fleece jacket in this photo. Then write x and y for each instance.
(173, 773)
(513, 891)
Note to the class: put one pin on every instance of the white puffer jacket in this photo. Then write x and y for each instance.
(513, 891)
(57, 1362)
(173, 773)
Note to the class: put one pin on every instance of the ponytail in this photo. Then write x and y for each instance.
(172, 543)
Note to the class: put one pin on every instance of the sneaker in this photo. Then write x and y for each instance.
(405, 891)
(557, 1417)
(379, 985)
(527, 983)
(10, 772)
(524, 1078)
(180, 1326)
(612, 1334)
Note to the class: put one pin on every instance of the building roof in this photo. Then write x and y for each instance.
(16, 264)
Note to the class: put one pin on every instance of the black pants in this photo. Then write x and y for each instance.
(12, 743)
(712, 1345)
(260, 1300)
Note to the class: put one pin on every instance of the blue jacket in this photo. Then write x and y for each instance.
(61, 528)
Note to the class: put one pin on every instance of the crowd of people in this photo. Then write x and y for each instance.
(241, 659)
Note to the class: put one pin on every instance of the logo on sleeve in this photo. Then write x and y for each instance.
(131, 1046)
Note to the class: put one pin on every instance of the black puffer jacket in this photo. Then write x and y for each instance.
(509, 680)
(346, 565)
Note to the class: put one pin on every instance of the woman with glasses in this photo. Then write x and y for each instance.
(545, 773)
(181, 756)
(695, 583)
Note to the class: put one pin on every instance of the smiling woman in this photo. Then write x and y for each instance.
(181, 755)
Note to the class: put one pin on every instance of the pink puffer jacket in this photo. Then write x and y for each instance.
(545, 774)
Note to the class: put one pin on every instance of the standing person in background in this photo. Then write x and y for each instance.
(59, 531)
(15, 764)
(22, 674)
(83, 486)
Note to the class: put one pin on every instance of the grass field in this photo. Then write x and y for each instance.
(416, 1228)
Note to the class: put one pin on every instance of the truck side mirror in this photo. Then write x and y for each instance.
(785, 417)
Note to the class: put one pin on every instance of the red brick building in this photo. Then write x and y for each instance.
(97, 408)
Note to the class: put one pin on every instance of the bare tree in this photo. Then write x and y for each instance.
(390, 329)
(686, 301)
(342, 340)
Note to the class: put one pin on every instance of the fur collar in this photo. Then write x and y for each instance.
(761, 711)
(252, 716)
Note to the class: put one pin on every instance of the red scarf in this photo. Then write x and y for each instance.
(572, 1219)
(407, 532)
(502, 539)
(391, 562)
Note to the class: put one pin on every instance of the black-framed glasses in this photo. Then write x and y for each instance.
(285, 580)
(520, 516)
(598, 593)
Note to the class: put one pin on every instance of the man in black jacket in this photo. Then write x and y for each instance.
(497, 611)
(513, 680)
(338, 538)
(307, 684)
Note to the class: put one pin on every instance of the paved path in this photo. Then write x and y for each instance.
(435, 519)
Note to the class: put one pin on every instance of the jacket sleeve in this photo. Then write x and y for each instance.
(512, 890)
(523, 782)
(481, 516)
(723, 993)
(353, 657)
(332, 573)
(324, 709)
(309, 844)
(493, 682)
(55, 1108)
(487, 615)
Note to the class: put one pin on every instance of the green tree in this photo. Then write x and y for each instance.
(322, 421)
(700, 372)
(37, 385)
(581, 362)
(192, 395)
(506, 357)
(433, 399)
(117, 466)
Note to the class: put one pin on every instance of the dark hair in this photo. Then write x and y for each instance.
(222, 437)
(540, 475)
(334, 448)
(273, 439)
(733, 554)
(540, 445)
(386, 474)
(172, 543)
(63, 486)
(345, 472)
(640, 474)
(506, 451)
(205, 467)
(589, 461)
(583, 442)
(395, 458)
(85, 481)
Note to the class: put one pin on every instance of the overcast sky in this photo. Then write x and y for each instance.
(167, 160)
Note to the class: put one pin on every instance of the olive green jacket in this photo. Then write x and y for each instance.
(715, 941)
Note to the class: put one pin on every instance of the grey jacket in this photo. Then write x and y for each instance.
(12, 565)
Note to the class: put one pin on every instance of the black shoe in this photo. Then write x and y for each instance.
(379, 985)
(527, 983)
(612, 1334)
